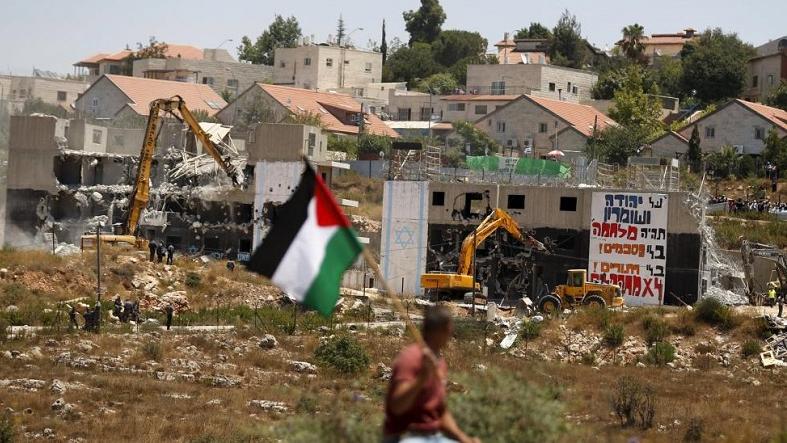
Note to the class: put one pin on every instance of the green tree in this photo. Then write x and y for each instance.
(568, 48)
(535, 30)
(282, 33)
(466, 133)
(634, 107)
(775, 150)
(440, 84)
(667, 73)
(341, 31)
(384, 45)
(410, 63)
(424, 23)
(714, 66)
(343, 143)
(374, 144)
(253, 112)
(616, 144)
(632, 45)
(38, 106)
(778, 97)
(452, 46)
(459, 69)
(154, 49)
(694, 153)
(723, 163)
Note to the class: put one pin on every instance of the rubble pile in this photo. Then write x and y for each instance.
(365, 224)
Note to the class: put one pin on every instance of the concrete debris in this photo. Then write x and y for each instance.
(302, 366)
(67, 249)
(268, 341)
(384, 372)
(365, 224)
(269, 406)
(726, 296)
(23, 384)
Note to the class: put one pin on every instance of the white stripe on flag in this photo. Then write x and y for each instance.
(303, 259)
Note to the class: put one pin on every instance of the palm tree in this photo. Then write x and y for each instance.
(632, 41)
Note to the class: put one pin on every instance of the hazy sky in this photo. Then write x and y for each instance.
(53, 34)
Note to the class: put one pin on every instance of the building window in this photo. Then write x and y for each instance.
(22, 93)
(568, 87)
(759, 133)
(367, 67)
(710, 132)
(232, 83)
(114, 69)
(94, 102)
(438, 198)
(498, 88)
(404, 114)
(207, 80)
(456, 106)
(489, 122)
(61, 96)
(329, 62)
(97, 136)
(480, 109)
(373, 109)
(426, 114)
(501, 126)
(542, 128)
(770, 79)
(307, 61)
(568, 204)
(754, 81)
(575, 90)
(551, 87)
(282, 65)
(516, 201)
(312, 143)
(347, 62)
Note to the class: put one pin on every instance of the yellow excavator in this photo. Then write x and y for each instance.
(462, 280)
(138, 201)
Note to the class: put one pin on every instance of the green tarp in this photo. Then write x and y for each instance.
(524, 166)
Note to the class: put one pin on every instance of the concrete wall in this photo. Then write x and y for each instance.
(524, 79)
(31, 148)
(403, 238)
(733, 125)
(17, 89)
(473, 109)
(285, 142)
(668, 146)
(770, 71)
(102, 100)
(413, 101)
(348, 67)
(274, 182)
(125, 141)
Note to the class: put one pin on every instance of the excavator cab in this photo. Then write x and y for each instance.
(575, 284)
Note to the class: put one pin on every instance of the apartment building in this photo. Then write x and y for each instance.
(556, 82)
(326, 67)
(766, 70)
(15, 90)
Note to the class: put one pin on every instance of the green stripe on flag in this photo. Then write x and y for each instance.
(340, 253)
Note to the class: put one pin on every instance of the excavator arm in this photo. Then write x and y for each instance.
(494, 221)
(141, 192)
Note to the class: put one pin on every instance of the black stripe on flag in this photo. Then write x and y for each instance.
(289, 219)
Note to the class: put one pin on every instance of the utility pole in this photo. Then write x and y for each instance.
(53, 239)
(475, 246)
(98, 263)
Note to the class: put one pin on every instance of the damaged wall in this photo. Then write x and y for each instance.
(274, 183)
(31, 148)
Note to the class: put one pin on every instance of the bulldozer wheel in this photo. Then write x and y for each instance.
(594, 301)
(549, 304)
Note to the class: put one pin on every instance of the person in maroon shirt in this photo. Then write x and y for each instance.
(415, 410)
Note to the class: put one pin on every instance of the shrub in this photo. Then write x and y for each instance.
(684, 324)
(715, 313)
(342, 353)
(307, 404)
(656, 330)
(661, 353)
(336, 427)
(589, 358)
(750, 348)
(634, 403)
(153, 350)
(704, 362)
(7, 431)
(522, 412)
(694, 430)
(704, 348)
(193, 280)
(614, 335)
(529, 331)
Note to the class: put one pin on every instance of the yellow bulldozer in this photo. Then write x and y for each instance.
(462, 280)
(140, 195)
(579, 292)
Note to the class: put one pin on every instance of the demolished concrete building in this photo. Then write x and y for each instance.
(646, 241)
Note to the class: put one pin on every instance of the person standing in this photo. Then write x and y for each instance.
(169, 310)
(72, 317)
(780, 301)
(160, 252)
(771, 295)
(170, 254)
(415, 408)
(153, 247)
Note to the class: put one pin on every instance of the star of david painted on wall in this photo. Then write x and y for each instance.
(404, 237)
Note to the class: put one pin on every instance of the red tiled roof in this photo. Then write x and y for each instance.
(664, 40)
(580, 117)
(186, 52)
(142, 91)
(478, 97)
(118, 56)
(775, 115)
(326, 105)
(92, 60)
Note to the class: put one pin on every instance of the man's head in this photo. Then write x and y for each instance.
(437, 326)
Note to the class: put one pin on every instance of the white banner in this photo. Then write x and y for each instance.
(628, 244)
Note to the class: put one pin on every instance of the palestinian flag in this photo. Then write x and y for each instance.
(309, 247)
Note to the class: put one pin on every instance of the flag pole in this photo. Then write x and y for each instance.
(397, 304)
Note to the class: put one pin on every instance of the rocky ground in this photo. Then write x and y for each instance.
(257, 378)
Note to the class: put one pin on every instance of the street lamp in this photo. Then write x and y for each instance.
(225, 41)
(347, 39)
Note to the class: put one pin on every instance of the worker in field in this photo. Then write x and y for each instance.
(169, 310)
(780, 302)
(117, 307)
(170, 254)
(415, 407)
(771, 294)
(72, 317)
(153, 247)
(160, 252)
